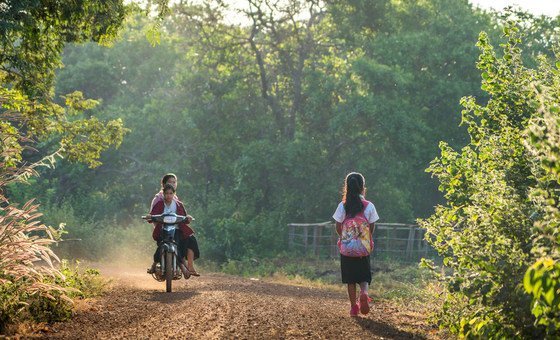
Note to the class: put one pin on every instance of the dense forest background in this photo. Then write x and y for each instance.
(262, 110)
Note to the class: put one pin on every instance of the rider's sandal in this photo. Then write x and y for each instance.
(193, 272)
(186, 272)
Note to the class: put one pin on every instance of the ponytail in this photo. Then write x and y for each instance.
(354, 186)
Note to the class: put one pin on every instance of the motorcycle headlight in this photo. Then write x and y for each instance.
(169, 219)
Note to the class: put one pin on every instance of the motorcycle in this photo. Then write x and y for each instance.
(167, 269)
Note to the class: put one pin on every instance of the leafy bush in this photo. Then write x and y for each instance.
(77, 283)
(487, 232)
(17, 304)
(81, 283)
(542, 279)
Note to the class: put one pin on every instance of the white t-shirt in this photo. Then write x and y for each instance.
(159, 197)
(370, 212)
(170, 209)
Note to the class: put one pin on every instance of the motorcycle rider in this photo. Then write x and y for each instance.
(189, 243)
(167, 206)
(169, 178)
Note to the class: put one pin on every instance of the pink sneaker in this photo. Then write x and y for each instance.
(354, 310)
(364, 303)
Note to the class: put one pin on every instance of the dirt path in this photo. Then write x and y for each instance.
(216, 306)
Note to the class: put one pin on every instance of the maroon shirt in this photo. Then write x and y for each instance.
(157, 209)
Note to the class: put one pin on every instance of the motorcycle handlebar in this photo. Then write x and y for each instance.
(160, 218)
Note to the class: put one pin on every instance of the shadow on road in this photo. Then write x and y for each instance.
(386, 330)
(173, 297)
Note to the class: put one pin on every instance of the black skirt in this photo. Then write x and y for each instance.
(355, 269)
(191, 243)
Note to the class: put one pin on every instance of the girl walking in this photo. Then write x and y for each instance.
(355, 222)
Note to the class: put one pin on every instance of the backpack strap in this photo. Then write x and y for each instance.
(365, 204)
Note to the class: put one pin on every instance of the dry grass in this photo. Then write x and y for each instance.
(27, 270)
(24, 241)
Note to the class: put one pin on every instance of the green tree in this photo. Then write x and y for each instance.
(485, 231)
(542, 279)
(262, 119)
(32, 37)
(33, 34)
(416, 62)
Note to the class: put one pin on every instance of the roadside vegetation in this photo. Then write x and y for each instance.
(261, 119)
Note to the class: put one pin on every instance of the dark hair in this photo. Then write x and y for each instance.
(354, 186)
(168, 187)
(166, 177)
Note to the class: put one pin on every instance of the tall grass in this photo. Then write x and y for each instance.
(34, 285)
(27, 271)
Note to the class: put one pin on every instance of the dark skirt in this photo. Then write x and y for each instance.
(355, 269)
(183, 244)
(191, 243)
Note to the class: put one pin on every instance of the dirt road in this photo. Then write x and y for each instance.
(217, 306)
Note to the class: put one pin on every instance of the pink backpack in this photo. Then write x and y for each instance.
(355, 239)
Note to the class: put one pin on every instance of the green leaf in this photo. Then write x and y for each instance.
(549, 296)
(528, 280)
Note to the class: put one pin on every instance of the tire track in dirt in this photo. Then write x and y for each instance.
(218, 306)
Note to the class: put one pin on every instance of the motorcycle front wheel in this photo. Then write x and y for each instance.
(168, 271)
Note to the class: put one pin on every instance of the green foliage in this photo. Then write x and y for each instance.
(37, 292)
(485, 232)
(262, 120)
(17, 305)
(415, 65)
(105, 240)
(81, 282)
(542, 281)
(543, 140)
(33, 36)
(10, 304)
(43, 309)
(255, 115)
